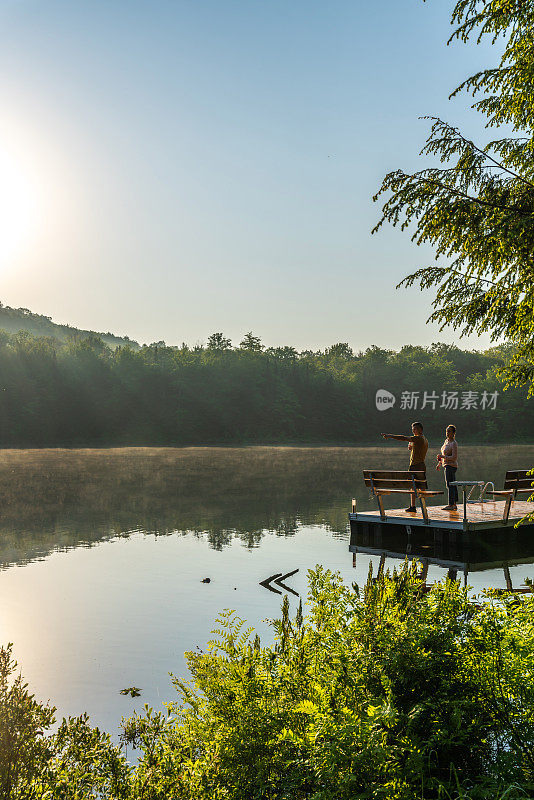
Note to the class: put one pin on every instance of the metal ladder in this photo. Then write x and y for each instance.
(482, 493)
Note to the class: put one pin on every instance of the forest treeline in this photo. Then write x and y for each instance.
(83, 393)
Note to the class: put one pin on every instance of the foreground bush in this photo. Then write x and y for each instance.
(387, 693)
(77, 763)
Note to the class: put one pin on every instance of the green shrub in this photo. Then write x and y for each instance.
(76, 763)
(392, 692)
(388, 693)
(23, 749)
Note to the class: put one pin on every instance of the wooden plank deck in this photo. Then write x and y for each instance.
(479, 516)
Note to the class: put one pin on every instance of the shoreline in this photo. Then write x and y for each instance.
(247, 446)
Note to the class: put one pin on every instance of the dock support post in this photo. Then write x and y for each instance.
(452, 573)
(377, 536)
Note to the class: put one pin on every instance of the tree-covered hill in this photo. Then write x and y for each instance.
(14, 320)
(84, 393)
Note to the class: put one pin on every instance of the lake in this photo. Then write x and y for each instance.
(103, 553)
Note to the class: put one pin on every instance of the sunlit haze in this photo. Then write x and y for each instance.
(172, 169)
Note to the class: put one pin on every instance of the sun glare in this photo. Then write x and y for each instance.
(19, 207)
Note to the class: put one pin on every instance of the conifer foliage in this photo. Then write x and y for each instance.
(477, 208)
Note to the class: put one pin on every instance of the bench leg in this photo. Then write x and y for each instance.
(381, 507)
(507, 505)
(422, 502)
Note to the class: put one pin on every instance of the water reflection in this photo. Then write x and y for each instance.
(452, 550)
(59, 499)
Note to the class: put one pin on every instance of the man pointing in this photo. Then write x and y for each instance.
(418, 446)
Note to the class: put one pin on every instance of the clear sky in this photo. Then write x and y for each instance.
(169, 169)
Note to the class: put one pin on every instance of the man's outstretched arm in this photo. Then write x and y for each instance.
(399, 437)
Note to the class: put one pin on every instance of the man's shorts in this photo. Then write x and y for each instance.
(421, 467)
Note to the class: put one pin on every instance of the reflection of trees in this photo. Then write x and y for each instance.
(54, 499)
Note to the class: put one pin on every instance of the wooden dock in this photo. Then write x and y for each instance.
(480, 517)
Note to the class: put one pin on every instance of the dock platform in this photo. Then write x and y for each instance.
(480, 517)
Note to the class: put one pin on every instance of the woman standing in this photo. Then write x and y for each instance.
(449, 460)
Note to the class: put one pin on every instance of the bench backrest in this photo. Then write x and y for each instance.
(518, 479)
(381, 479)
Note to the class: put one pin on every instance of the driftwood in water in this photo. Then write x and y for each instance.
(278, 578)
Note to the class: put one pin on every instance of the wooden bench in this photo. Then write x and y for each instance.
(387, 482)
(516, 481)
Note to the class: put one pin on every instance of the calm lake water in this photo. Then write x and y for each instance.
(102, 553)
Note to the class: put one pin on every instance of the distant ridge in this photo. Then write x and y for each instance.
(13, 320)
